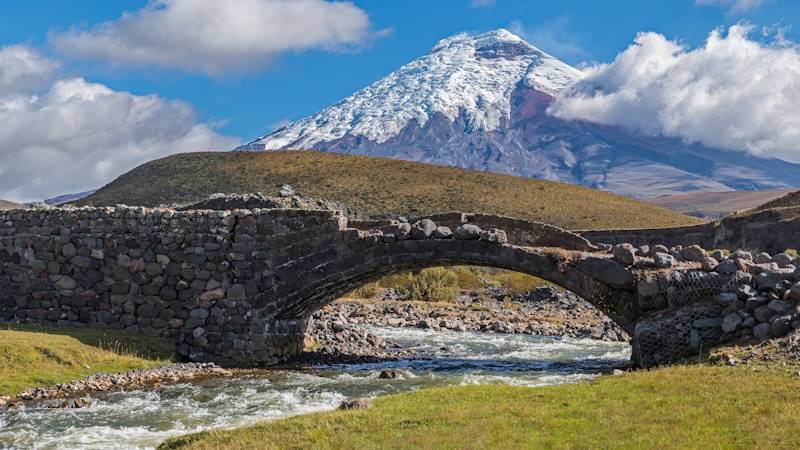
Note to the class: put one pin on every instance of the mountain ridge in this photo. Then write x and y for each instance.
(481, 102)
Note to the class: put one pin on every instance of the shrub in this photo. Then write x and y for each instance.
(433, 285)
(367, 291)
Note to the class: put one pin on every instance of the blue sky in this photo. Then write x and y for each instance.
(295, 84)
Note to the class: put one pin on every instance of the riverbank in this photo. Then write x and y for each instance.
(542, 311)
(143, 418)
(47, 363)
(337, 333)
(35, 356)
(697, 406)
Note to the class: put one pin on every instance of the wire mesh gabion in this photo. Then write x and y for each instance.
(682, 288)
(689, 325)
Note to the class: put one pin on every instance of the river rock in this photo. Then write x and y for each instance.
(752, 303)
(390, 374)
(727, 266)
(794, 293)
(780, 325)
(762, 331)
(783, 260)
(403, 230)
(66, 283)
(442, 232)
(625, 254)
(709, 264)
(769, 280)
(359, 403)
(779, 306)
(663, 260)
(763, 313)
(694, 253)
(468, 232)
(762, 258)
(731, 322)
(658, 249)
(286, 191)
(423, 229)
(494, 235)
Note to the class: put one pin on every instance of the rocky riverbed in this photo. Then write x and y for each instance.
(64, 395)
(336, 335)
(335, 332)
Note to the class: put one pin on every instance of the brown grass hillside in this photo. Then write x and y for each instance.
(5, 204)
(715, 205)
(791, 199)
(380, 186)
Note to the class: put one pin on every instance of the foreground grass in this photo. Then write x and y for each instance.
(36, 356)
(684, 406)
(380, 186)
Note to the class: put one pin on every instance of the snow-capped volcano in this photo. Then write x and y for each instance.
(481, 102)
(470, 75)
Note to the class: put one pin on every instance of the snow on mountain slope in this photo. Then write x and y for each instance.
(470, 75)
(481, 102)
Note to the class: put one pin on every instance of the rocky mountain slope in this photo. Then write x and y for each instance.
(480, 102)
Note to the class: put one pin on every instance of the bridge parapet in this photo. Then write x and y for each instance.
(518, 232)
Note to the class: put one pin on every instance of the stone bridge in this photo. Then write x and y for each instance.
(238, 287)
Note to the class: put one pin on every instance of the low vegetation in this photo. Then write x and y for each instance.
(790, 199)
(700, 406)
(380, 186)
(444, 284)
(37, 356)
(436, 284)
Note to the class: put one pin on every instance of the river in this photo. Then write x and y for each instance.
(143, 419)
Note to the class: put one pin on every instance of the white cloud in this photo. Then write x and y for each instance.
(480, 3)
(734, 6)
(216, 37)
(24, 70)
(79, 135)
(732, 93)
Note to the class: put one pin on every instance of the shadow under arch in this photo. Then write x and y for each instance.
(602, 282)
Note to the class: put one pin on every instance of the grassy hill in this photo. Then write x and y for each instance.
(790, 199)
(5, 204)
(380, 186)
(715, 205)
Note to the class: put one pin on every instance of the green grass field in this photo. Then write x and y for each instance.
(380, 186)
(36, 356)
(696, 406)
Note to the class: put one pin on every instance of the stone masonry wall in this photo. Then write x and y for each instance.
(191, 277)
(772, 231)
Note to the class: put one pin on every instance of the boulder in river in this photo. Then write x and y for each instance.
(359, 403)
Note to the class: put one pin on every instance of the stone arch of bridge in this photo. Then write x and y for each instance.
(599, 280)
